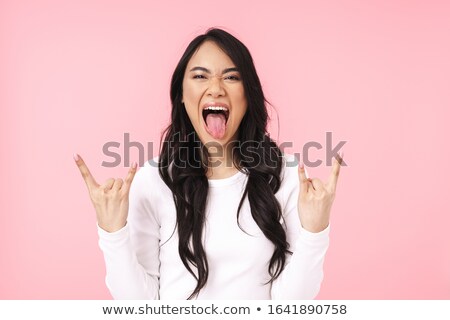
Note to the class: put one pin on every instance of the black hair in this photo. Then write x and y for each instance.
(256, 154)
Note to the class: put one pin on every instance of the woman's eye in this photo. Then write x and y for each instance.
(232, 77)
(199, 76)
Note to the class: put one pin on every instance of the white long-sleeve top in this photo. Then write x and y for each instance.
(142, 259)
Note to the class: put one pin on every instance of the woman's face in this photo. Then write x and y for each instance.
(213, 94)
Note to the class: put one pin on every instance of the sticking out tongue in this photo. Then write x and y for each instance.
(215, 125)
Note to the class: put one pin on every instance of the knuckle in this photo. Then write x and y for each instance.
(104, 191)
(321, 196)
(123, 195)
(109, 195)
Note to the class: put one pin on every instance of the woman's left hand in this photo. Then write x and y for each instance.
(315, 198)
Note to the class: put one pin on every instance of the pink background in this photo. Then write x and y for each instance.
(77, 74)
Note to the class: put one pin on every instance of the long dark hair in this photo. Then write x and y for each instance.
(183, 163)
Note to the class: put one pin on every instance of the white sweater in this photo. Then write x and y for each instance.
(142, 259)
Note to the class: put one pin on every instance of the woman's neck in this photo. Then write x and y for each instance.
(221, 172)
(221, 166)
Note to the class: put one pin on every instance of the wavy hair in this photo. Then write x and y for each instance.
(183, 164)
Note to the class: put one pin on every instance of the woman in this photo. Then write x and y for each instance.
(219, 214)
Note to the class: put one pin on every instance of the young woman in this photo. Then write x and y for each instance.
(221, 213)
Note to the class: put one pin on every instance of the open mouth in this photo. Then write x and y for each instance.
(216, 118)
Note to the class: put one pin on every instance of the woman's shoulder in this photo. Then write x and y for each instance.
(289, 172)
(150, 167)
(289, 160)
(152, 164)
(148, 175)
(290, 163)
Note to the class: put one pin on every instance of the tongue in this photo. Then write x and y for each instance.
(215, 123)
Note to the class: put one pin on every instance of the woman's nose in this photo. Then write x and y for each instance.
(215, 87)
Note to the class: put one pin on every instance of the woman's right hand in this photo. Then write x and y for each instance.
(110, 199)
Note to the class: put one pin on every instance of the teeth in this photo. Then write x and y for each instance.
(216, 108)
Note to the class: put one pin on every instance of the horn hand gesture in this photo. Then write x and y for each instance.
(110, 199)
(316, 198)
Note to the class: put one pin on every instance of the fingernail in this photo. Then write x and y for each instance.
(301, 165)
(340, 157)
(76, 157)
(134, 165)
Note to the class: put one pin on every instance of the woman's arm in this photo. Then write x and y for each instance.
(132, 253)
(303, 274)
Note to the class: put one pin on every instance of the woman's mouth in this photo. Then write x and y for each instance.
(216, 117)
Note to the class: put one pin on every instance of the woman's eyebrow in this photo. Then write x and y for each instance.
(230, 70)
(208, 71)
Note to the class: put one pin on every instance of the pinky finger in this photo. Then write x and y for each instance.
(304, 181)
(131, 174)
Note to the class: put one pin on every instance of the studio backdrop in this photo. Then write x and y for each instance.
(370, 78)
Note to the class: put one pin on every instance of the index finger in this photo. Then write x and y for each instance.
(332, 181)
(85, 173)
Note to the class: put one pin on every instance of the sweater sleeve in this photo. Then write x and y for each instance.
(303, 273)
(132, 253)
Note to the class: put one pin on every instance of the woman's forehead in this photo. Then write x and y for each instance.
(210, 56)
